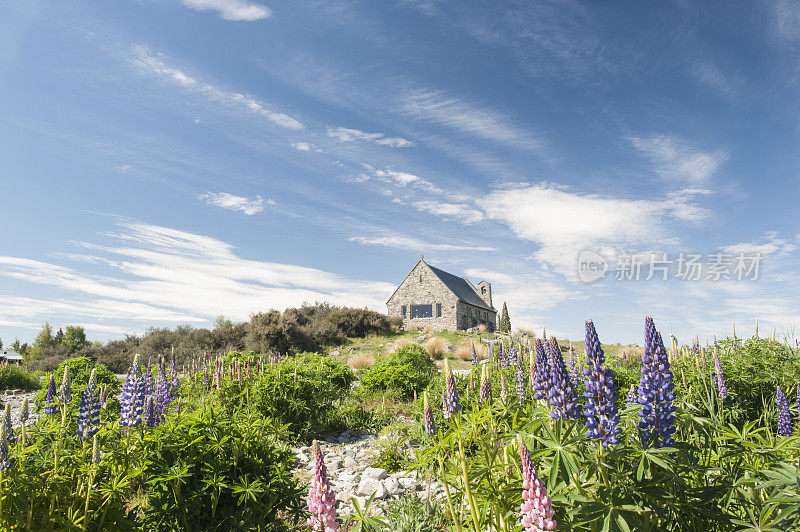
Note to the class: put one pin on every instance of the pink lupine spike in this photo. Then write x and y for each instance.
(321, 499)
(537, 515)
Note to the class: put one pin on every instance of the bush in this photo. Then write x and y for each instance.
(15, 378)
(79, 370)
(300, 391)
(403, 372)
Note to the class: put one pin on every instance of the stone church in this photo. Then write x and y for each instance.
(430, 297)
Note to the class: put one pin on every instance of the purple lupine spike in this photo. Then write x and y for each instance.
(541, 377)
(563, 399)
(474, 355)
(321, 499)
(430, 423)
(7, 429)
(148, 380)
(50, 404)
(520, 376)
(657, 423)
(536, 510)
(65, 391)
(784, 414)
(633, 395)
(130, 411)
(503, 390)
(486, 386)
(150, 415)
(723, 391)
(103, 395)
(163, 397)
(89, 411)
(452, 403)
(602, 419)
(5, 459)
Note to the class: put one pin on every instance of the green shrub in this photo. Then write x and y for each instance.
(301, 391)
(409, 513)
(403, 372)
(79, 370)
(14, 378)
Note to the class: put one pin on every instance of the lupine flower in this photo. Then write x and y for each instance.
(5, 459)
(148, 380)
(784, 415)
(573, 365)
(723, 391)
(537, 515)
(657, 422)
(474, 355)
(445, 410)
(150, 414)
(503, 389)
(103, 395)
(89, 411)
(633, 395)
(520, 376)
(430, 423)
(541, 376)
(50, 405)
(486, 386)
(602, 419)
(9, 432)
(24, 411)
(130, 411)
(452, 403)
(321, 499)
(163, 396)
(563, 399)
(65, 392)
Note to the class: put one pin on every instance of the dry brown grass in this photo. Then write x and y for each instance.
(632, 351)
(436, 347)
(482, 328)
(526, 332)
(401, 342)
(361, 361)
(464, 349)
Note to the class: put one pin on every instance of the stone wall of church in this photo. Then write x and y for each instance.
(423, 287)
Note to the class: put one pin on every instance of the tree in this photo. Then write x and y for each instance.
(15, 345)
(45, 338)
(75, 338)
(505, 321)
(222, 323)
(59, 337)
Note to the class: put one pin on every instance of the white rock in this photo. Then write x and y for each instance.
(369, 485)
(393, 487)
(376, 473)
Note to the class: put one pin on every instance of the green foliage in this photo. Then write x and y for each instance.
(45, 337)
(74, 338)
(79, 370)
(301, 391)
(16, 378)
(505, 321)
(409, 513)
(392, 453)
(403, 372)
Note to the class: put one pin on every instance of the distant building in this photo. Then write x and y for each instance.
(430, 297)
(12, 357)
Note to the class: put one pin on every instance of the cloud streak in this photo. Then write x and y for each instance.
(235, 203)
(343, 134)
(236, 10)
(677, 159)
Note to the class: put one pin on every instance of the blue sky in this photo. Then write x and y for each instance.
(167, 161)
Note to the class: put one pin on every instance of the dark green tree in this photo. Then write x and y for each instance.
(45, 338)
(505, 321)
(74, 338)
(59, 337)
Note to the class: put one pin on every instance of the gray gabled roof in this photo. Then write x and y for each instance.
(461, 288)
(10, 355)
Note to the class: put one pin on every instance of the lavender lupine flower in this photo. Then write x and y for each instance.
(150, 415)
(148, 380)
(5, 459)
(445, 411)
(50, 405)
(633, 395)
(163, 396)
(503, 389)
(321, 499)
(537, 514)
(520, 376)
(784, 415)
(9, 432)
(103, 395)
(130, 411)
(474, 355)
(430, 423)
(602, 419)
(486, 386)
(89, 412)
(723, 391)
(541, 377)
(452, 403)
(657, 422)
(563, 399)
(65, 392)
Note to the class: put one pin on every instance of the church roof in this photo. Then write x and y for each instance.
(461, 288)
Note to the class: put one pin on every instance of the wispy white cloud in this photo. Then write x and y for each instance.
(787, 19)
(462, 212)
(235, 203)
(154, 64)
(468, 118)
(677, 159)
(231, 9)
(395, 177)
(406, 242)
(302, 146)
(168, 271)
(771, 243)
(343, 134)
